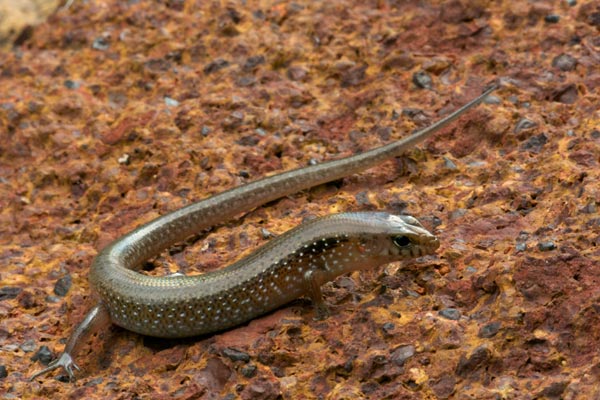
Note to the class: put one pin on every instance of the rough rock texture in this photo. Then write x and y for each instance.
(113, 112)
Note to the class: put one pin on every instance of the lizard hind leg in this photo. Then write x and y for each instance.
(95, 320)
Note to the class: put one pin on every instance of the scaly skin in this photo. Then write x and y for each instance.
(295, 264)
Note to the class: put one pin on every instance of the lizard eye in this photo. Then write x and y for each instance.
(401, 241)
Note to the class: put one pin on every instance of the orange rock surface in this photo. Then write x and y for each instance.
(114, 112)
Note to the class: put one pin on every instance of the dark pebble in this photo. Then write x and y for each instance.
(594, 19)
(215, 66)
(572, 3)
(62, 286)
(250, 140)
(444, 386)
(205, 130)
(9, 292)
(362, 199)
(101, 43)
(523, 235)
(69, 84)
(94, 382)
(253, 62)
(244, 174)
(422, 80)
(477, 360)
(595, 134)
(249, 370)
(236, 355)
(521, 247)
(434, 221)
(524, 124)
(412, 113)
(44, 355)
(554, 390)
(402, 353)
(388, 327)
(535, 143)
(552, 18)
(27, 300)
(546, 246)
(450, 313)
(564, 62)
(3, 371)
(489, 330)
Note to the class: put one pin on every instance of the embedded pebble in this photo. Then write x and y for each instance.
(3, 371)
(70, 84)
(449, 164)
(388, 327)
(589, 208)
(236, 355)
(478, 359)
(9, 292)
(546, 246)
(252, 62)
(535, 143)
(555, 390)
(215, 66)
(62, 286)
(249, 370)
(44, 355)
(524, 124)
(205, 130)
(564, 62)
(422, 80)
(297, 73)
(489, 330)
(450, 313)
(101, 43)
(28, 346)
(492, 99)
(403, 353)
(169, 102)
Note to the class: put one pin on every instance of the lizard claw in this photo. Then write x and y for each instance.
(65, 361)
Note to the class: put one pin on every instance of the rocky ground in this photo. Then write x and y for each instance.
(114, 112)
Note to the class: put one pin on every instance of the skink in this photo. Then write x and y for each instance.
(294, 264)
